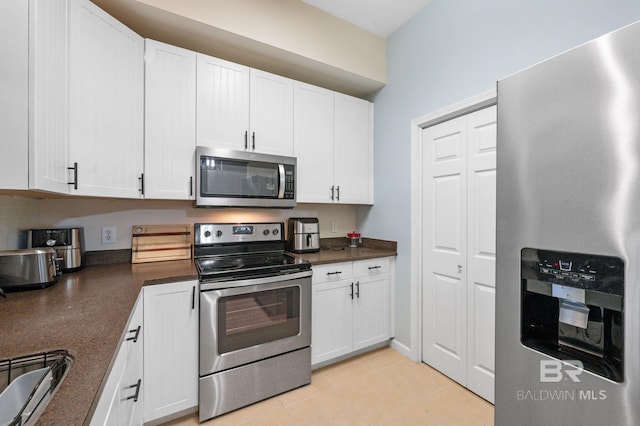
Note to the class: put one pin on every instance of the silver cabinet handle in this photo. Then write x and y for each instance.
(459, 269)
(253, 141)
(246, 139)
(358, 289)
(333, 192)
(334, 273)
(375, 267)
(351, 291)
(338, 193)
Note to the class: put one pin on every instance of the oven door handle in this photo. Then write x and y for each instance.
(204, 286)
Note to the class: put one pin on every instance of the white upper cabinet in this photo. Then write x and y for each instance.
(170, 121)
(353, 150)
(314, 147)
(85, 101)
(14, 87)
(334, 146)
(48, 95)
(271, 113)
(241, 108)
(222, 103)
(106, 103)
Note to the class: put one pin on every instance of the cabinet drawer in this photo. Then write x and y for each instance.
(332, 272)
(370, 267)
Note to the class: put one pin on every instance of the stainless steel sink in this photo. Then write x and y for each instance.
(27, 384)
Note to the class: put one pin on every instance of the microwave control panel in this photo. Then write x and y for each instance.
(289, 182)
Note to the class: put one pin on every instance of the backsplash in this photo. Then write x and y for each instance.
(18, 214)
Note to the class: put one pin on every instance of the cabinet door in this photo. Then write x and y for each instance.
(170, 349)
(271, 113)
(371, 311)
(49, 95)
(331, 331)
(170, 121)
(313, 122)
(14, 86)
(106, 103)
(130, 390)
(114, 407)
(354, 149)
(222, 103)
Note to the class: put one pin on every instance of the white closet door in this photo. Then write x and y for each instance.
(481, 252)
(444, 248)
(459, 229)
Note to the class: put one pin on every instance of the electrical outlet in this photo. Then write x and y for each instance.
(109, 235)
(334, 227)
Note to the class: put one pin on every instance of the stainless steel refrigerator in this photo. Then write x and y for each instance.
(568, 238)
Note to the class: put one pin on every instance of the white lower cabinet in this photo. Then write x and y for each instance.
(170, 349)
(351, 307)
(164, 364)
(121, 400)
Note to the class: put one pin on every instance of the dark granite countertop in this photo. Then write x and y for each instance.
(334, 250)
(85, 312)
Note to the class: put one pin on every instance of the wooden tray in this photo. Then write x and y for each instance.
(155, 243)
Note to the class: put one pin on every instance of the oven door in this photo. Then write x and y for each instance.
(253, 320)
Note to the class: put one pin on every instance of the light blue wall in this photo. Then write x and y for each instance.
(450, 51)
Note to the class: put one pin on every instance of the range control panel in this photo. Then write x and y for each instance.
(221, 233)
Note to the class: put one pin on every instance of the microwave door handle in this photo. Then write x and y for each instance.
(282, 181)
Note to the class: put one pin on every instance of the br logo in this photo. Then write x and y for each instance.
(554, 371)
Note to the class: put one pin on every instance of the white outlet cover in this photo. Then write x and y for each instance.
(109, 235)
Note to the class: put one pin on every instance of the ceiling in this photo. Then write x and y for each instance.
(381, 17)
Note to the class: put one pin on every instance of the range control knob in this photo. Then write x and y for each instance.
(275, 231)
(218, 233)
(265, 232)
(207, 234)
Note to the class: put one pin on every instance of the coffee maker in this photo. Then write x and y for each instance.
(572, 308)
(67, 242)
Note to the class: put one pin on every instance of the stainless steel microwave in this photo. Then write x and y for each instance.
(227, 178)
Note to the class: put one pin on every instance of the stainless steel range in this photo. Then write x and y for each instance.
(255, 315)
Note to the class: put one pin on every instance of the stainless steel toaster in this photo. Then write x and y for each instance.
(67, 242)
(303, 234)
(29, 268)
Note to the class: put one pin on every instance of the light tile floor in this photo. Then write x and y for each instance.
(378, 388)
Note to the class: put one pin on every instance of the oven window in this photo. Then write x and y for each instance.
(255, 318)
(232, 178)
